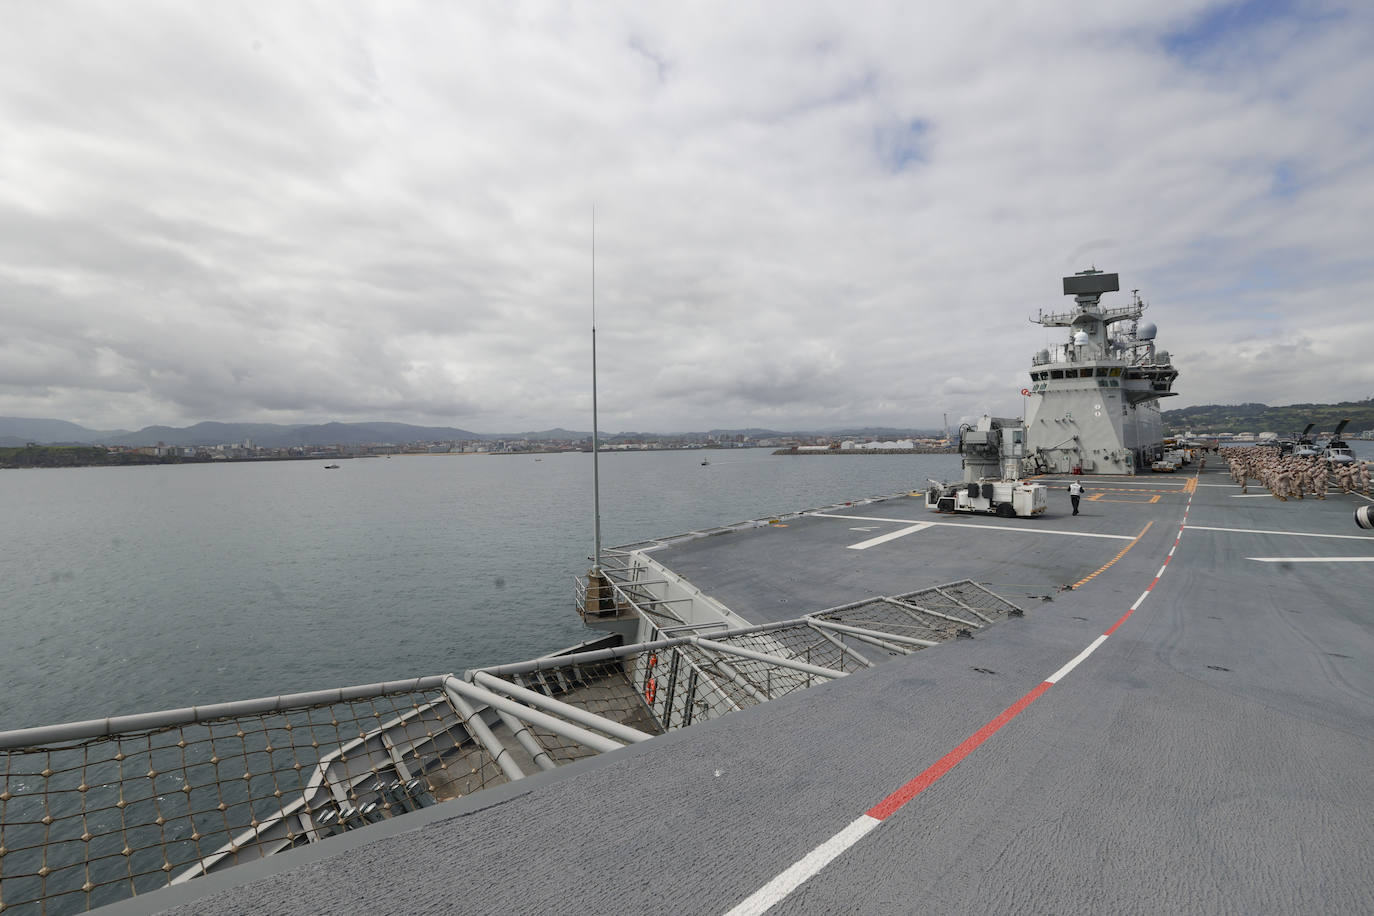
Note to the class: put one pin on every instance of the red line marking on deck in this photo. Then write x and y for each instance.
(888, 806)
(781, 886)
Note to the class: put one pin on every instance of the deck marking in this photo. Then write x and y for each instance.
(1072, 534)
(1088, 578)
(1092, 647)
(890, 805)
(1120, 620)
(1100, 498)
(780, 887)
(890, 536)
(912, 521)
(774, 891)
(1312, 559)
(1296, 534)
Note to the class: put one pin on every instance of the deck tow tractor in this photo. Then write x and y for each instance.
(993, 449)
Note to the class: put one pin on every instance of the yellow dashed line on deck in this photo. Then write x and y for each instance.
(1097, 498)
(1109, 563)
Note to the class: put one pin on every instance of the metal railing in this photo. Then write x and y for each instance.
(93, 812)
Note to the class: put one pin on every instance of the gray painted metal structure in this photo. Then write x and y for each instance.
(1095, 399)
(1212, 756)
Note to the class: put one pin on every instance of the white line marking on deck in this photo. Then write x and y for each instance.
(1312, 559)
(865, 528)
(1092, 647)
(912, 521)
(1296, 534)
(890, 536)
(1072, 534)
(784, 884)
(776, 890)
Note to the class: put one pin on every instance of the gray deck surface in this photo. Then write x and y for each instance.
(1215, 755)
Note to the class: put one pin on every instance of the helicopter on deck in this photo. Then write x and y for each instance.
(1336, 451)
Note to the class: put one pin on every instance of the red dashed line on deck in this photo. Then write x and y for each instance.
(797, 874)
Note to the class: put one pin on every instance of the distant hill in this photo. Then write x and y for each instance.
(1255, 418)
(17, 432)
(556, 433)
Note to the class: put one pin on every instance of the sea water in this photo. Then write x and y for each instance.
(135, 589)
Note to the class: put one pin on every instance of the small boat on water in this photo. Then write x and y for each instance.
(705, 461)
(331, 467)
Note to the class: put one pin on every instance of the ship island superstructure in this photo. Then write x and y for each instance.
(1095, 398)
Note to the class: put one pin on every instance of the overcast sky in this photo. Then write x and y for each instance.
(807, 215)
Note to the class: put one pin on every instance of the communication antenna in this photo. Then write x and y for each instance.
(596, 435)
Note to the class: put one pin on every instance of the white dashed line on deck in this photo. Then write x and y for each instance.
(1296, 534)
(989, 527)
(890, 536)
(1312, 559)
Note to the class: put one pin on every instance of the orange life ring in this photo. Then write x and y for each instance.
(650, 691)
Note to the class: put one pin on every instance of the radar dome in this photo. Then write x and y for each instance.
(1146, 331)
(1080, 339)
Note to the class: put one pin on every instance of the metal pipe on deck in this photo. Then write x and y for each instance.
(738, 679)
(566, 710)
(478, 729)
(964, 604)
(599, 743)
(100, 728)
(844, 650)
(521, 731)
(872, 634)
(777, 660)
(908, 606)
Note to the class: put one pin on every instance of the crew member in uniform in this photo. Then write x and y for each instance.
(1075, 493)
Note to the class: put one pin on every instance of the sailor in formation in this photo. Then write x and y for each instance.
(1293, 476)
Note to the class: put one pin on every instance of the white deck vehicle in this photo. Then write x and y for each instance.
(993, 450)
(1006, 498)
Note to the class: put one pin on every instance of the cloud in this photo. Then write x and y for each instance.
(302, 213)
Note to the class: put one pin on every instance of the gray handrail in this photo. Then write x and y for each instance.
(190, 715)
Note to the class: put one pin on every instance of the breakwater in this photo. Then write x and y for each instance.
(923, 450)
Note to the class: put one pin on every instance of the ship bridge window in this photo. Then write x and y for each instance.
(1115, 372)
(1070, 373)
(1056, 373)
(1101, 371)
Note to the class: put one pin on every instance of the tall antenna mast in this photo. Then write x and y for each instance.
(596, 435)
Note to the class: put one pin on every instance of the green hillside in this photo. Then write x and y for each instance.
(1287, 420)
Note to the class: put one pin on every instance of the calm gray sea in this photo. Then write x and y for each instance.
(135, 589)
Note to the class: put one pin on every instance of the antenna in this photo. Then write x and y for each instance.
(596, 435)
